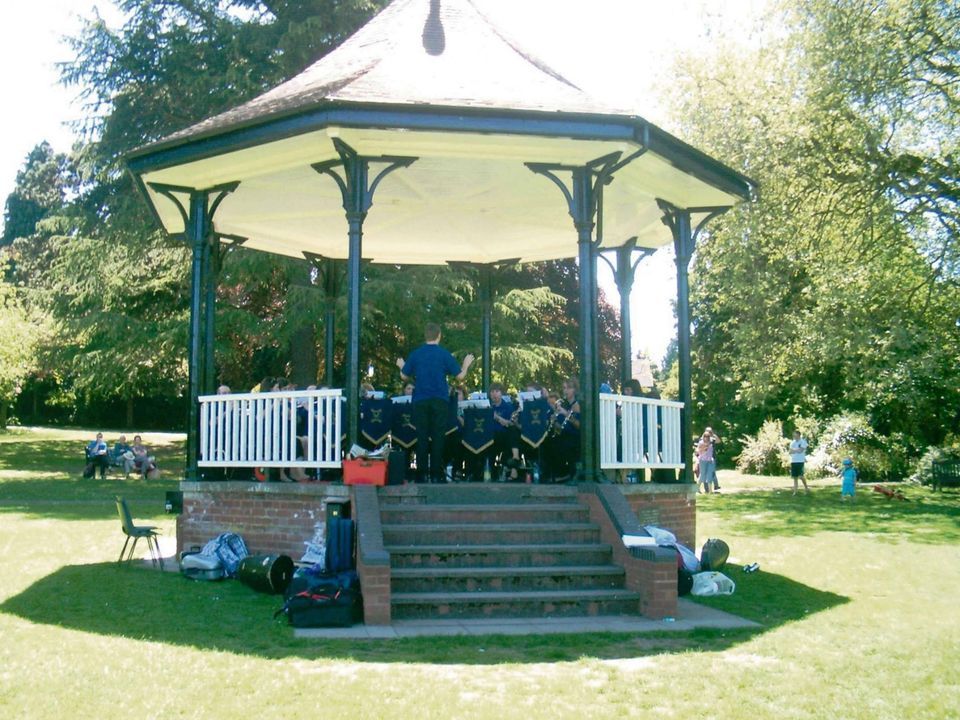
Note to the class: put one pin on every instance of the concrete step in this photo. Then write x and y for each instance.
(506, 579)
(542, 604)
(492, 555)
(488, 533)
(539, 512)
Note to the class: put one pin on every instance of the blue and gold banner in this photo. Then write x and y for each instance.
(404, 431)
(535, 421)
(375, 418)
(478, 429)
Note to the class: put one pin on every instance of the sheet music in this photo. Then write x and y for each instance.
(474, 403)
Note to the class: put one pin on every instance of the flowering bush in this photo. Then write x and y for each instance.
(766, 452)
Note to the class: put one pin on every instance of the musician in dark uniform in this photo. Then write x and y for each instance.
(563, 452)
(506, 436)
(428, 366)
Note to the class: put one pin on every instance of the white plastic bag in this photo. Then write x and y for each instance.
(712, 583)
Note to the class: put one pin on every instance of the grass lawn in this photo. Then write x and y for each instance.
(859, 606)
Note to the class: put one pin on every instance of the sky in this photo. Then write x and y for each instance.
(622, 49)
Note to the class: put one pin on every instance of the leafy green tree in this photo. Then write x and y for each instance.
(835, 290)
(21, 333)
(40, 190)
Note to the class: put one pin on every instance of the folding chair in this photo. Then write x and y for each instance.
(136, 532)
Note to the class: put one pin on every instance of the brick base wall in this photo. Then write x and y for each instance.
(654, 577)
(670, 506)
(272, 518)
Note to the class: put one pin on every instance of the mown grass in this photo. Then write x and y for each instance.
(858, 606)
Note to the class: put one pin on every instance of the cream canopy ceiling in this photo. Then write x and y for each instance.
(437, 81)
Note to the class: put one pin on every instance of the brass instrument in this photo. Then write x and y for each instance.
(555, 427)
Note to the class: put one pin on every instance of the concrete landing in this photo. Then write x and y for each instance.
(690, 616)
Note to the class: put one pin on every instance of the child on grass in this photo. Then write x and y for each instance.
(848, 476)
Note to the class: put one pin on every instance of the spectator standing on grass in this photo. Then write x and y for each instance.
(798, 456)
(706, 460)
(848, 477)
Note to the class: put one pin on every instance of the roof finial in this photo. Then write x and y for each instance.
(434, 41)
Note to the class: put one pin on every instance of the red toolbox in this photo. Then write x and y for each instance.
(364, 471)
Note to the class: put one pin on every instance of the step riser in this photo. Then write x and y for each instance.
(401, 535)
(507, 583)
(402, 516)
(465, 558)
(514, 609)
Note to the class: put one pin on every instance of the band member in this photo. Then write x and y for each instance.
(506, 436)
(428, 366)
(564, 445)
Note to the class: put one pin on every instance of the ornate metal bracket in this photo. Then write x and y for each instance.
(355, 190)
(219, 191)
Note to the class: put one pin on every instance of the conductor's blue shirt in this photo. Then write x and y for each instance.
(429, 366)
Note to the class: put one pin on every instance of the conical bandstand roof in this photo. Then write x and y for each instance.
(439, 81)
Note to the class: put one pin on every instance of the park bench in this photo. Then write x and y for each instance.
(946, 472)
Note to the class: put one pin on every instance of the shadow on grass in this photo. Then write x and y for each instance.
(142, 604)
(927, 517)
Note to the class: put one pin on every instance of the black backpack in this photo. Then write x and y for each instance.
(714, 554)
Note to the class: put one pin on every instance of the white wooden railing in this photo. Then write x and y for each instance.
(260, 429)
(639, 432)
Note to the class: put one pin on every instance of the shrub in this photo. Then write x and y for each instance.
(849, 435)
(766, 452)
(921, 471)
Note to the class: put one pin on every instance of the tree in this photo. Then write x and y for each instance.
(20, 336)
(833, 291)
(40, 190)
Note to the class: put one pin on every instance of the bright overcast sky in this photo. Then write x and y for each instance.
(621, 48)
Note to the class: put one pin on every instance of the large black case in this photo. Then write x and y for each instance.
(324, 601)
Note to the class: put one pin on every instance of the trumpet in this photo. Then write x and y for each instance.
(555, 427)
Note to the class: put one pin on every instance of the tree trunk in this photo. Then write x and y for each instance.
(129, 412)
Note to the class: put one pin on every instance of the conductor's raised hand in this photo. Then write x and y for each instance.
(400, 363)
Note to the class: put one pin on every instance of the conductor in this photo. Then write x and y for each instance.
(428, 366)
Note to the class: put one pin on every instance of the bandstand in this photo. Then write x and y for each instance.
(431, 136)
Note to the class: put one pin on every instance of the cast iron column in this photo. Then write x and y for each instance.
(486, 315)
(683, 246)
(331, 277)
(585, 204)
(357, 194)
(684, 241)
(583, 220)
(197, 230)
(211, 262)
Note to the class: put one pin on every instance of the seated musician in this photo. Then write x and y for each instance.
(506, 437)
(564, 449)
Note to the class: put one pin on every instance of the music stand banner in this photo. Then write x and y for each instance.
(535, 421)
(478, 427)
(404, 431)
(375, 417)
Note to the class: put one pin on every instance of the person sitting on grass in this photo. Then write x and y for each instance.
(848, 476)
(96, 452)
